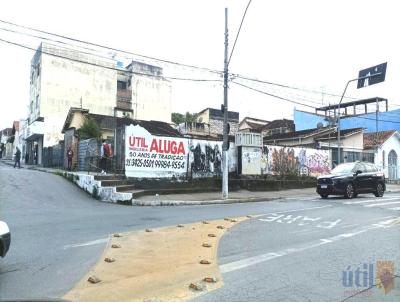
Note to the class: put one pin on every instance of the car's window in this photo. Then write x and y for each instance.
(344, 168)
(360, 167)
(371, 168)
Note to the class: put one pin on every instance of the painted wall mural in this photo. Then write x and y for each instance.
(294, 161)
(205, 158)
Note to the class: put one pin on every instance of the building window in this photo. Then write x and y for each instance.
(121, 85)
(383, 159)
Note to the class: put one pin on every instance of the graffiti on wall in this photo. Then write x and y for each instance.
(294, 161)
(205, 158)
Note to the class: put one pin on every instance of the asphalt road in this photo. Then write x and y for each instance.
(58, 233)
(301, 254)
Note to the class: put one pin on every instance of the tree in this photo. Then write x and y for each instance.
(89, 129)
(178, 118)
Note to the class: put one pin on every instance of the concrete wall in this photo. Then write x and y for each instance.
(205, 158)
(204, 117)
(216, 126)
(150, 156)
(295, 161)
(151, 98)
(63, 83)
(251, 160)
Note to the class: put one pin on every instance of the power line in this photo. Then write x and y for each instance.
(106, 67)
(273, 95)
(111, 48)
(286, 86)
(302, 104)
(240, 27)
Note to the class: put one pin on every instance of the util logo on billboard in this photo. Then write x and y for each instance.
(161, 145)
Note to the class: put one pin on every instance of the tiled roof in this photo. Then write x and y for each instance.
(310, 132)
(373, 138)
(344, 132)
(279, 124)
(295, 134)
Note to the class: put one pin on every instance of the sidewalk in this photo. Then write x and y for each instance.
(240, 196)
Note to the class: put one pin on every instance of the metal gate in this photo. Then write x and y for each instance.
(392, 165)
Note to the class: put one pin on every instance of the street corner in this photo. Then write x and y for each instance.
(174, 263)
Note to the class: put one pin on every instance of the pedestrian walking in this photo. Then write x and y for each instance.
(27, 158)
(17, 158)
(105, 153)
(70, 156)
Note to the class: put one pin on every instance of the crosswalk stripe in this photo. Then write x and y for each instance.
(370, 200)
(381, 204)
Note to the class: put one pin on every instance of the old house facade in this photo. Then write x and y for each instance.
(62, 78)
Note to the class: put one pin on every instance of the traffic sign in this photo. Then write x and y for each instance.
(372, 75)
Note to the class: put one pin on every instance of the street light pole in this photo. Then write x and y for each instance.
(341, 99)
(225, 146)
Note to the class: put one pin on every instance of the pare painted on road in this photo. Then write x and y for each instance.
(301, 220)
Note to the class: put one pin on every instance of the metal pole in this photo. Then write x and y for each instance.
(341, 99)
(225, 125)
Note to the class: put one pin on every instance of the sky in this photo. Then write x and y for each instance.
(310, 44)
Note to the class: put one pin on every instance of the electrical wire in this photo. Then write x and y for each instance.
(111, 48)
(286, 86)
(106, 67)
(273, 95)
(306, 105)
(240, 27)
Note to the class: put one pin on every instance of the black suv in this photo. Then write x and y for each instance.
(350, 179)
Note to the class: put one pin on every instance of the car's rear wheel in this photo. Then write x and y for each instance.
(379, 191)
(324, 196)
(349, 191)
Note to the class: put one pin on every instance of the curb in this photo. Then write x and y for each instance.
(201, 202)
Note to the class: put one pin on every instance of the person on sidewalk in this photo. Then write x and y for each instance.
(17, 158)
(105, 153)
(70, 156)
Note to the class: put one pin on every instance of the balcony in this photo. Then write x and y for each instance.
(194, 128)
(124, 95)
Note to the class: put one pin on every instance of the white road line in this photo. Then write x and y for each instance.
(369, 200)
(240, 264)
(303, 209)
(395, 209)
(381, 204)
(349, 225)
(93, 242)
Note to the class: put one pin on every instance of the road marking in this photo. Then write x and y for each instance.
(303, 209)
(349, 225)
(369, 200)
(396, 209)
(381, 204)
(93, 242)
(240, 264)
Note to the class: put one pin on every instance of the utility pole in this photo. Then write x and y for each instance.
(225, 145)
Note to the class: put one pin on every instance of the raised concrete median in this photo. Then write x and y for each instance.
(173, 263)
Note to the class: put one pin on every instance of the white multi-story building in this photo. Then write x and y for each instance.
(62, 78)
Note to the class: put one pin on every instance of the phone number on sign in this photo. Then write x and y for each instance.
(154, 163)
